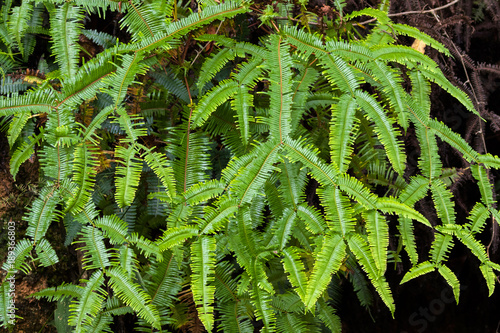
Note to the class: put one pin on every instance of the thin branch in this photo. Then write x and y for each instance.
(416, 11)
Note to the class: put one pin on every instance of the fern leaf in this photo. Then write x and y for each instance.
(280, 93)
(473, 244)
(213, 65)
(83, 175)
(438, 77)
(408, 237)
(214, 218)
(97, 255)
(361, 250)
(42, 212)
(158, 162)
(338, 210)
(414, 191)
(297, 151)
(378, 238)
(485, 186)
(441, 247)
(46, 253)
(213, 99)
(452, 280)
(203, 267)
(295, 269)
(18, 23)
(252, 178)
(174, 236)
(127, 175)
(418, 270)
(442, 198)
(327, 315)
(86, 308)
(313, 219)
(124, 76)
(357, 191)
(390, 205)
(183, 26)
(328, 261)
(204, 191)
(490, 278)
(428, 161)
(477, 218)
(114, 228)
(342, 130)
(384, 129)
(132, 295)
(65, 23)
(24, 152)
(454, 139)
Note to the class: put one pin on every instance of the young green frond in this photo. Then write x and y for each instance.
(203, 268)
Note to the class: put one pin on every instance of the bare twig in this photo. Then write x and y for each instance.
(416, 11)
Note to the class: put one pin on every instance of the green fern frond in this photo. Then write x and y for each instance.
(87, 306)
(408, 238)
(213, 99)
(378, 238)
(489, 277)
(384, 129)
(297, 151)
(338, 210)
(158, 162)
(114, 228)
(452, 280)
(96, 254)
(65, 23)
(24, 152)
(441, 247)
(485, 186)
(252, 178)
(42, 212)
(40, 100)
(203, 268)
(328, 261)
(46, 253)
(327, 315)
(473, 244)
(477, 218)
(391, 205)
(183, 26)
(312, 218)
(361, 250)
(59, 292)
(418, 270)
(174, 236)
(134, 296)
(84, 165)
(343, 127)
(100, 38)
(442, 198)
(406, 30)
(18, 23)
(280, 93)
(213, 65)
(128, 174)
(296, 271)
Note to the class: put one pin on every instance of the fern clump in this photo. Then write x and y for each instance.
(187, 182)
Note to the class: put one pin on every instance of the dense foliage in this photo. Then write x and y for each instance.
(235, 184)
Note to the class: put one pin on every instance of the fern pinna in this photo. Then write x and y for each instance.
(209, 193)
